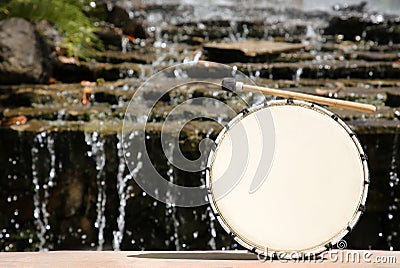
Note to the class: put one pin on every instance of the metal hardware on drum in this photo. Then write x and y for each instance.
(231, 84)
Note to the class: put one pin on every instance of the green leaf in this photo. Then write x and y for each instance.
(66, 15)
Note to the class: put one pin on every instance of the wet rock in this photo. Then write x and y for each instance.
(373, 56)
(349, 27)
(324, 69)
(118, 57)
(248, 51)
(393, 97)
(73, 73)
(375, 27)
(26, 97)
(375, 127)
(360, 7)
(111, 38)
(216, 29)
(22, 53)
(15, 120)
(384, 33)
(125, 19)
(68, 194)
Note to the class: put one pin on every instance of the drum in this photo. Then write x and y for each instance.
(314, 179)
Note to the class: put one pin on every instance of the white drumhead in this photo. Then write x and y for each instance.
(312, 191)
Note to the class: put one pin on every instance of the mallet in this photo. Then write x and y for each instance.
(231, 84)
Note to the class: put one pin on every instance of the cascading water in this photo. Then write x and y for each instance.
(170, 208)
(40, 197)
(212, 243)
(96, 142)
(124, 44)
(40, 225)
(123, 190)
(208, 214)
(393, 214)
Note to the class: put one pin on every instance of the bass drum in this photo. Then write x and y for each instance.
(312, 192)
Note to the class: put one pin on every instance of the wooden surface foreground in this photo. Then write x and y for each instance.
(204, 259)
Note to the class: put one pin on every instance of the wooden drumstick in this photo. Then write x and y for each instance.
(232, 85)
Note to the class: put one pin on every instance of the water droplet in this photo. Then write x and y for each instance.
(213, 233)
(195, 234)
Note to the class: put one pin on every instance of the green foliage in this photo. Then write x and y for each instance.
(66, 15)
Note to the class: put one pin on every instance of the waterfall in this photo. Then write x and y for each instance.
(394, 191)
(299, 72)
(124, 44)
(170, 208)
(96, 142)
(122, 189)
(40, 198)
(208, 213)
(212, 243)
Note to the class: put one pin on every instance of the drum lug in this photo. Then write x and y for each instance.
(361, 208)
(245, 111)
(213, 146)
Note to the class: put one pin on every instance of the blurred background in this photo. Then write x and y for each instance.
(68, 70)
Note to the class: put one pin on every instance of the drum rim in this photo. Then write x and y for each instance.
(327, 245)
